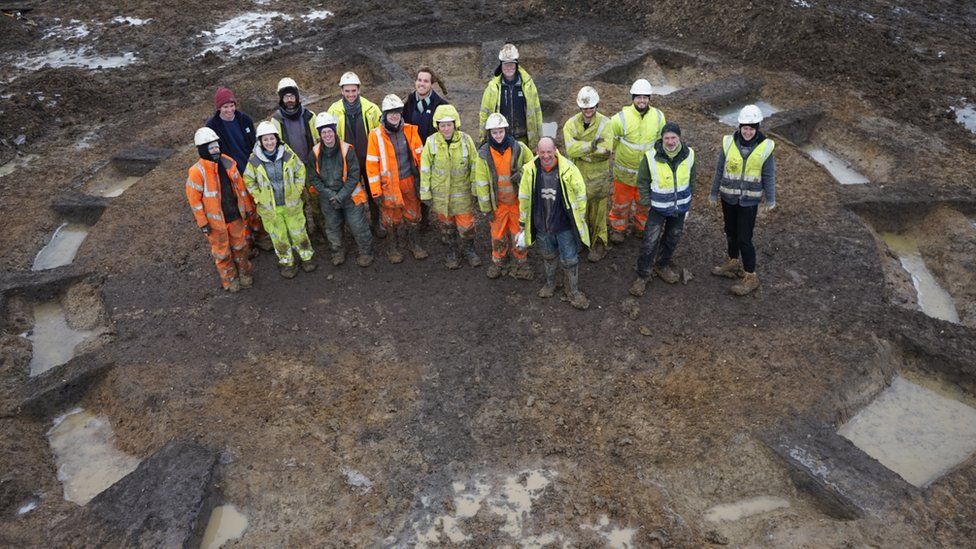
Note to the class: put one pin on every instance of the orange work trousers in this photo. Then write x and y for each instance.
(463, 223)
(229, 247)
(625, 211)
(504, 227)
(393, 214)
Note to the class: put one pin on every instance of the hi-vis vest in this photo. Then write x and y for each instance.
(382, 164)
(634, 135)
(486, 178)
(742, 179)
(670, 190)
(358, 194)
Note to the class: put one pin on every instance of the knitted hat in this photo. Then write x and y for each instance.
(224, 96)
(671, 127)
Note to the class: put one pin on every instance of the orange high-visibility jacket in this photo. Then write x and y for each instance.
(203, 192)
(381, 163)
(358, 195)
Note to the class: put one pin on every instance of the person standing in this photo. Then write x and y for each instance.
(221, 208)
(496, 178)
(666, 181)
(512, 93)
(745, 174)
(296, 127)
(422, 102)
(588, 142)
(552, 212)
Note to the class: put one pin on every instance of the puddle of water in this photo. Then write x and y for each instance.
(744, 508)
(13, 165)
(115, 188)
(837, 166)
(226, 523)
(53, 340)
(966, 115)
(730, 115)
(88, 461)
(27, 507)
(616, 538)
(915, 431)
(932, 298)
(549, 129)
(81, 57)
(62, 248)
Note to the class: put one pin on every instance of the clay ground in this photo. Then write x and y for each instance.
(647, 412)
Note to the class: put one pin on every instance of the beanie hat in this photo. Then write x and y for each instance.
(331, 127)
(223, 96)
(672, 128)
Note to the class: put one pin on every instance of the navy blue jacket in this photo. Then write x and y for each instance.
(424, 120)
(247, 130)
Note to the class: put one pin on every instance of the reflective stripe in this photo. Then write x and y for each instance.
(372, 158)
(194, 186)
(218, 217)
(460, 195)
(374, 179)
(623, 123)
(666, 205)
(635, 146)
(752, 194)
(481, 183)
(623, 168)
(523, 196)
(198, 207)
(209, 194)
(425, 169)
(729, 190)
(418, 150)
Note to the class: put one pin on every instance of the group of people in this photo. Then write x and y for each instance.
(381, 171)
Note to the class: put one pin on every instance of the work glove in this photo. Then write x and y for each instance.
(520, 240)
(596, 142)
(205, 229)
(769, 206)
(713, 199)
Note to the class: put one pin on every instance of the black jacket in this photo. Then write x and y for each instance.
(247, 130)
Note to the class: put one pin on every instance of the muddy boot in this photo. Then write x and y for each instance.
(618, 237)
(264, 243)
(308, 266)
(288, 271)
(246, 281)
(667, 274)
(597, 251)
(748, 283)
(233, 287)
(730, 269)
(452, 261)
(393, 253)
(364, 260)
(639, 286)
(576, 298)
(522, 270)
(467, 247)
(549, 290)
(413, 242)
(339, 257)
(494, 270)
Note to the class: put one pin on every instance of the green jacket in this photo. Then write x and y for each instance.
(573, 191)
(633, 135)
(593, 163)
(491, 102)
(446, 169)
(257, 182)
(486, 178)
(371, 116)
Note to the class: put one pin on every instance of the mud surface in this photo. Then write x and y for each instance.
(407, 403)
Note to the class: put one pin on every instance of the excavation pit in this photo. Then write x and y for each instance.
(88, 459)
(932, 298)
(919, 432)
(15, 164)
(113, 188)
(62, 248)
(840, 169)
(226, 523)
(730, 512)
(54, 341)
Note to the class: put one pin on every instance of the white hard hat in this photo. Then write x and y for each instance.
(641, 87)
(444, 118)
(391, 102)
(349, 78)
(587, 97)
(323, 119)
(508, 54)
(495, 121)
(204, 136)
(266, 128)
(286, 83)
(750, 114)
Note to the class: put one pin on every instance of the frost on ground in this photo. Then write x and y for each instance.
(966, 116)
(134, 21)
(81, 57)
(250, 30)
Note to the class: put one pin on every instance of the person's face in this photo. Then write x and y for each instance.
(227, 111)
(588, 112)
(508, 69)
(328, 137)
(423, 84)
(748, 132)
(446, 129)
(213, 148)
(671, 141)
(498, 134)
(393, 117)
(642, 101)
(547, 153)
(269, 142)
(289, 100)
(350, 92)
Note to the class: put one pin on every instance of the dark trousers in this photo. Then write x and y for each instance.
(739, 224)
(353, 215)
(661, 235)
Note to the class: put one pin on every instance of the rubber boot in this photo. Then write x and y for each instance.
(639, 286)
(522, 270)
(549, 290)
(667, 274)
(452, 261)
(308, 266)
(467, 247)
(393, 252)
(617, 237)
(494, 270)
(364, 259)
(576, 298)
(745, 286)
(413, 242)
(233, 287)
(288, 271)
(597, 251)
(246, 281)
(338, 256)
(730, 269)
